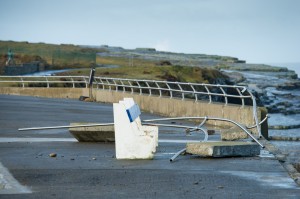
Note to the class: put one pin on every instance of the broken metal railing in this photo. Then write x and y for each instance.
(196, 91)
(200, 127)
(168, 88)
(206, 118)
(151, 122)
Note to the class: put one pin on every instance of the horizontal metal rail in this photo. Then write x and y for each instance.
(64, 127)
(183, 90)
(48, 81)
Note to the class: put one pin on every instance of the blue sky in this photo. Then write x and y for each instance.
(258, 31)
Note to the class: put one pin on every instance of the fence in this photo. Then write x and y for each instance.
(210, 92)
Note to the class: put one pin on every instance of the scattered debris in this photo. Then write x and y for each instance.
(82, 98)
(281, 157)
(211, 131)
(52, 155)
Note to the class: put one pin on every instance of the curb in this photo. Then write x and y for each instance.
(289, 167)
(284, 138)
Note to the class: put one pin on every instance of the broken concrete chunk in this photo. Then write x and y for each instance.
(233, 134)
(223, 149)
(93, 134)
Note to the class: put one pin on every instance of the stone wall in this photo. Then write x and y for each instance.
(26, 68)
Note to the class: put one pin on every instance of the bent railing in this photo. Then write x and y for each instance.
(228, 94)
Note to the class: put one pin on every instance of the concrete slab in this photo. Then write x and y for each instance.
(232, 134)
(93, 134)
(223, 149)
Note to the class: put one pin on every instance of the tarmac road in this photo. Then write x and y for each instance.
(90, 170)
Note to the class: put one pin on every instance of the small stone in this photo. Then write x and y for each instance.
(72, 159)
(88, 100)
(220, 187)
(94, 158)
(52, 155)
(281, 157)
(2, 186)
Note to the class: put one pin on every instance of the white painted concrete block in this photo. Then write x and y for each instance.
(133, 141)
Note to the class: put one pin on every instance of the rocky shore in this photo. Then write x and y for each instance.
(279, 92)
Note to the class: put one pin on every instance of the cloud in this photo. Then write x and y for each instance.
(163, 45)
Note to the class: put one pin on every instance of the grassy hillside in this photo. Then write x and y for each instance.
(128, 63)
(57, 56)
(145, 69)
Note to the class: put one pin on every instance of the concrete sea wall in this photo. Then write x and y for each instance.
(153, 104)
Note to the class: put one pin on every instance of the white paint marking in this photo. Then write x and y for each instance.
(279, 179)
(177, 141)
(9, 185)
(5, 140)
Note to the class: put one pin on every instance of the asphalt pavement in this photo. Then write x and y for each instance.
(90, 170)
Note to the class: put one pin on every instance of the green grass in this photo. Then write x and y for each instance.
(144, 69)
(71, 56)
(58, 56)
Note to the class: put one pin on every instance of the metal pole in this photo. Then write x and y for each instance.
(177, 154)
(64, 127)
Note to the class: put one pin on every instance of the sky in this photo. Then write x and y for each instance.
(258, 31)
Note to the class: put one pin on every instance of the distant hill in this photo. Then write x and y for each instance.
(131, 63)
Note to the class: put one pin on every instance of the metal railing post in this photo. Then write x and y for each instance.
(73, 82)
(103, 86)
(48, 86)
(130, 86)
(196, 95)
(242, 99)
(255, 113)
(208, 93)
(97, 83)
(86, 81)
(149, 88)
(182, 93)
(108, 84)
(123, 86)
(115, 85)
(170, 90)
(159, 89)
(141, 92)
(23, 85)
(225, 95)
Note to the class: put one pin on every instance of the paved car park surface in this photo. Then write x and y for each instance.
(90, 170)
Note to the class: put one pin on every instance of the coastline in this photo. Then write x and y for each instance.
(294, 66)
